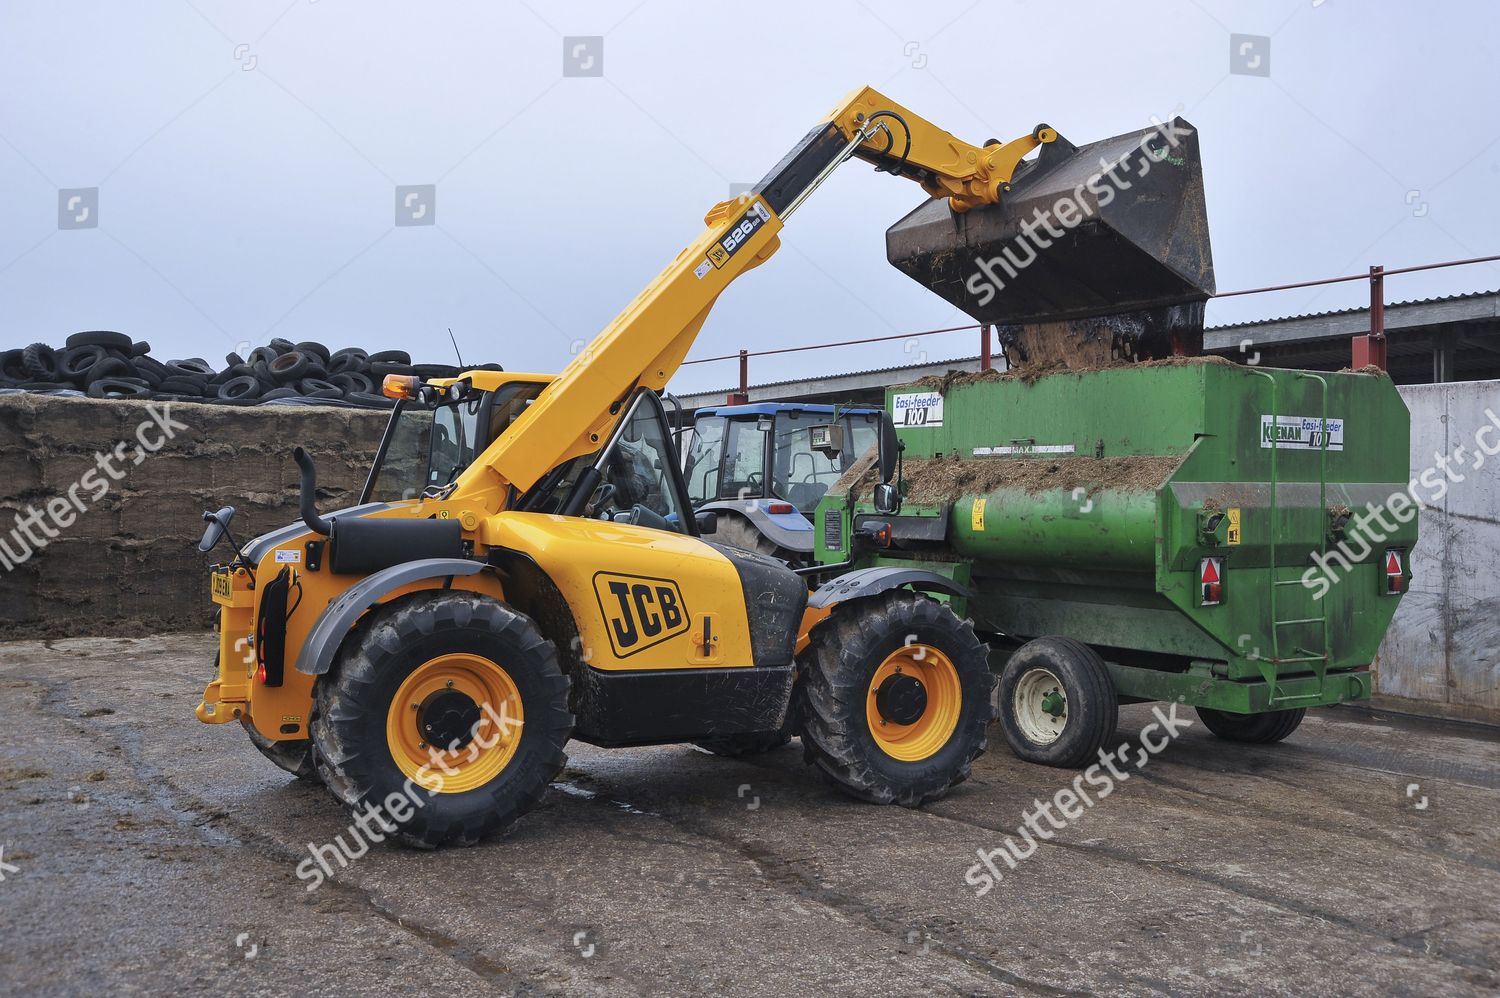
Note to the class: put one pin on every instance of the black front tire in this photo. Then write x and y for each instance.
(836, 672)
(1072, 672)
(355, 757)
(1256, 729)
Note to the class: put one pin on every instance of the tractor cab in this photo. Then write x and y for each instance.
(775, 451)
(762, 469)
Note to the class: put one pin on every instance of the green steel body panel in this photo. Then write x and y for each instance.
(1114, 559)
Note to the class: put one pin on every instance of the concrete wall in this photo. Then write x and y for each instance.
(1442, 653)
(128, 563)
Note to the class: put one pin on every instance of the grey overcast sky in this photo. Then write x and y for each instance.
(247, 152)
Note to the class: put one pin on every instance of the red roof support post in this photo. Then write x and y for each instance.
(742, 396)
(1369, 348)
(985, 361)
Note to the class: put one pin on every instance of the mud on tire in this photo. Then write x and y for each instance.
(353, 704)
(846, 654)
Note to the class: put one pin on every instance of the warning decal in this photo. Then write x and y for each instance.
(1232, 532)
(976, 516)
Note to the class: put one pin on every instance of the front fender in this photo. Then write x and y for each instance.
(328, 632)
(870, 581)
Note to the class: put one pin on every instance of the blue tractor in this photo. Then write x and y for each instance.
(761, 468)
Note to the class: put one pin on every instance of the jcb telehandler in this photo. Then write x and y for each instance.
(525, 567)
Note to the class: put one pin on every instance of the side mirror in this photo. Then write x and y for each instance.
(887, 499)
(218, 526)
(890, 448)
(708, 522)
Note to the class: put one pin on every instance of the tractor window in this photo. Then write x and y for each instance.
(801, 475)
(744, 474)
(863, 434)
(703, 460)
(638, 483)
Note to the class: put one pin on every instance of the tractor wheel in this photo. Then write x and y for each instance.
(1057, 703)
(451, 700)
(296, 756)
(738, 532)
(1259, 729)
(894, 699)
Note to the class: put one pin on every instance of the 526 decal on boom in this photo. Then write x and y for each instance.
(639, 611)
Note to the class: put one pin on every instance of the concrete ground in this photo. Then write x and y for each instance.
(145, 852)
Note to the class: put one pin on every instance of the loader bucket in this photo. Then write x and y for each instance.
(1115, 226)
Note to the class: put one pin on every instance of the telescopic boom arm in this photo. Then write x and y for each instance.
(646, 343)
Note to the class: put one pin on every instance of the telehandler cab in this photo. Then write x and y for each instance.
(525, 567)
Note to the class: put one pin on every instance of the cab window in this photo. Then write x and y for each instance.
(744, 460)
(703, 459)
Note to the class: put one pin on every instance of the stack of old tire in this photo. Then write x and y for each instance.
(105, 364)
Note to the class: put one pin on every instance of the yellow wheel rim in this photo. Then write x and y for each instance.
(931, 729)
(426, 709)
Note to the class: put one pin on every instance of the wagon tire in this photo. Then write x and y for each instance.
(1058, 706)
(1255, 729)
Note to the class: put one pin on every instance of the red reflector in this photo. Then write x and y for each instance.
(1211, 588)
(260, 674)
(781, 507)
(1395, 577)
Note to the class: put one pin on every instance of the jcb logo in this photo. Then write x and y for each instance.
(639, 611)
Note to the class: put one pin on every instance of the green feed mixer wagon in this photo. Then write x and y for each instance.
(1189, 531)
(1125, 522)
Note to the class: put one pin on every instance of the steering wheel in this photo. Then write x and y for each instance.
(603, 495)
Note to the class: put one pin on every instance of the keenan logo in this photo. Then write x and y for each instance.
(1301, 433)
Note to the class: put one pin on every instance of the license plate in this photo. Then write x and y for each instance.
(221, 587)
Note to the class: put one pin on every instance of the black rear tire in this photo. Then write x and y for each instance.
(846, 654)
(1071, 677)
(1256, 729)
(753, 743)
(738, 532)
(356, 700)
(296, 756)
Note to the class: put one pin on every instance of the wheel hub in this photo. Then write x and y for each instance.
(447, 719)
(901, 699)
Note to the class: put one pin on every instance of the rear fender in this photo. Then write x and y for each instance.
(323, 641)
(790, 531)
